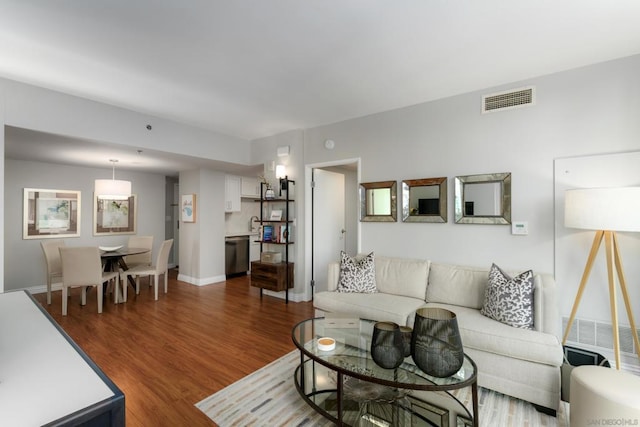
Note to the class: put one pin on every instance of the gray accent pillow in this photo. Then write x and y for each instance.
(509, 300)
(357, 275)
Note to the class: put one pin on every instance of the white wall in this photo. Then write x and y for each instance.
(189, 249)
(24, 264)
(2, 170)
(202, 242)
(588, 111)
(265, 151)
(573, 246)
(212, 227)
(583, 111)
(31, 107)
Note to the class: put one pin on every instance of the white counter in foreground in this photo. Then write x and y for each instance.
(45, 378)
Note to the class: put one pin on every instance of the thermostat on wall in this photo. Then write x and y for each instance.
(520, 228)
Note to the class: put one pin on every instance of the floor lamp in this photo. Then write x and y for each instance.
(605, 210)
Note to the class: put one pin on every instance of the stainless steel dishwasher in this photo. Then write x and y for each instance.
(236, 251)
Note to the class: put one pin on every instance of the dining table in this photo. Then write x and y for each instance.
(114, 260)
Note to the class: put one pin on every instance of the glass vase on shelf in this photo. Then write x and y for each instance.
(269, 194)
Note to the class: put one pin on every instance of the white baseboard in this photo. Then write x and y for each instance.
(201, 282)
(293, 297)
(39, 289)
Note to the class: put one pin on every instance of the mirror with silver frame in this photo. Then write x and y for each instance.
(483, 199)
(424, 200)
(378, 201)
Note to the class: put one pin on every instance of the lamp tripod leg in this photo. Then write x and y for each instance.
(625, 294)
(597, 240)
(608, 241)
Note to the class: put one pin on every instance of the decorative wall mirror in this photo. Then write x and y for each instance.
(378, 201)
(424, 200)
(483, 199)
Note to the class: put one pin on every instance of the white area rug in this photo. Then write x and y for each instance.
(268, 397)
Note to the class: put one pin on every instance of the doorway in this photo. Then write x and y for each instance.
(174, 229)
(332, 218)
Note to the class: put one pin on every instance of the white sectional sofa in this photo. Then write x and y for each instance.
(518, 362)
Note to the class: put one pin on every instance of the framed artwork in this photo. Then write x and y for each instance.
(188, 207)
(50, 213)
(114, 216)
(276, 215)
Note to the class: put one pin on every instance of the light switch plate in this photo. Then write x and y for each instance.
(520, 228)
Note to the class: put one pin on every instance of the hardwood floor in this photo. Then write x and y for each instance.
(169, 354)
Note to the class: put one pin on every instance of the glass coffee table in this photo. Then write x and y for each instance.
(347, 387)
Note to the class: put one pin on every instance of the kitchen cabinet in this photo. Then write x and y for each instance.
(232, 192)
(250, 187)
(254, 251)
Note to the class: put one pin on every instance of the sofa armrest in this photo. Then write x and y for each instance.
(333, 275)
(545, 305)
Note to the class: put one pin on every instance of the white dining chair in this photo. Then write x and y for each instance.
(81, 267)
(52, 257)
(161, 267)
(145, 242)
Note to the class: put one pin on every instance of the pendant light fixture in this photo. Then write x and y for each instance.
(112, 189)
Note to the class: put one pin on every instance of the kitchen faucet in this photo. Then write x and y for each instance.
(252, 225)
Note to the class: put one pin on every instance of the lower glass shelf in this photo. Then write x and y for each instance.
(368, 404)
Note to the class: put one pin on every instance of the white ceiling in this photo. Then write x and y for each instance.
(254, 68)
(30, 145)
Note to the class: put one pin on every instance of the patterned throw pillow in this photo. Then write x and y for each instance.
(357, 275)
(509, 300)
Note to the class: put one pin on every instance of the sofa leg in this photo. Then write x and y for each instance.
(545, 410)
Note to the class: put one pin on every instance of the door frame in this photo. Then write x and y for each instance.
(308, 217)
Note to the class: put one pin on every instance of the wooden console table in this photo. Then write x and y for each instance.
(45, 378)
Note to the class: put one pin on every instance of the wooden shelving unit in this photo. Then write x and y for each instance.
(276, 277)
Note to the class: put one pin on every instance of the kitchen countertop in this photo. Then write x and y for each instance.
(241, 233)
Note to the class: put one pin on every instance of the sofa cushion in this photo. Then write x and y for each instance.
(404, 277)
(377, 306)
(509, 300)
(457, 285)
(357, 275)
(481, 333)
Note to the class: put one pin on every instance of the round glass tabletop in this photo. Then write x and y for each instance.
(351, 356)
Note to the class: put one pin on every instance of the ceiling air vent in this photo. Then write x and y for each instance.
(508, 100)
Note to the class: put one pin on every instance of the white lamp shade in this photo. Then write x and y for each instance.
(281, 172)
(612, 209)
(112, 189)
